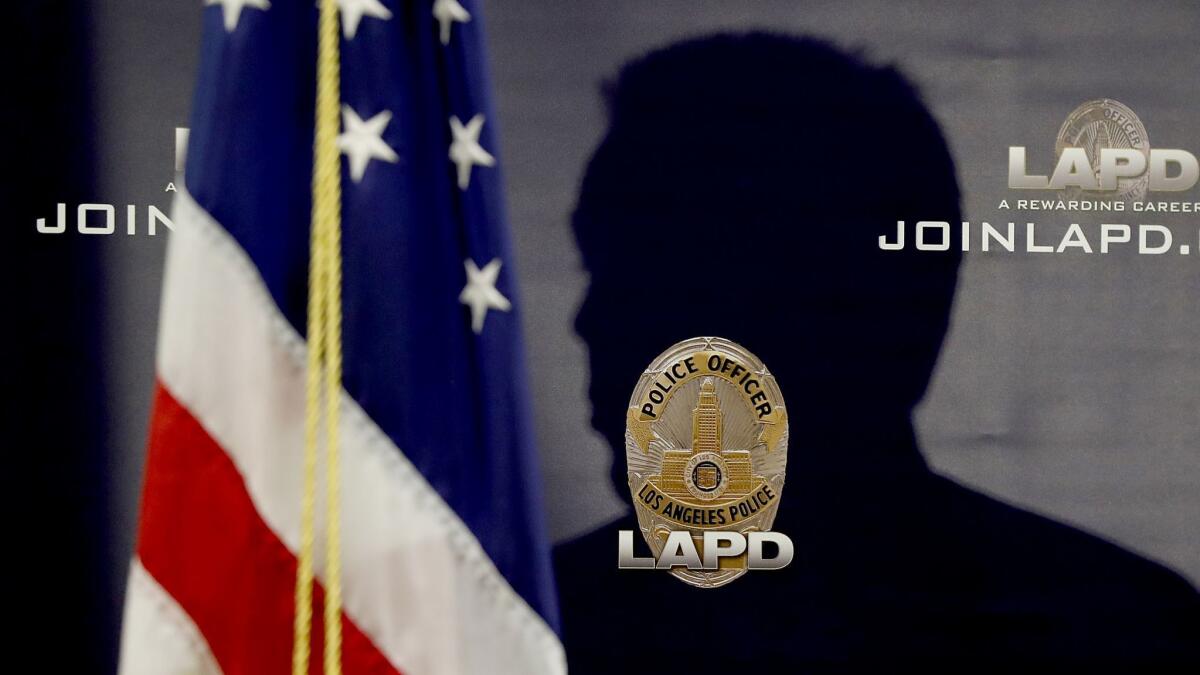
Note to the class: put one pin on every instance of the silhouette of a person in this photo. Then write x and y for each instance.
(739, 192)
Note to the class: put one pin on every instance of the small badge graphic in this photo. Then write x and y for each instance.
(1105, 124)
(706, 445)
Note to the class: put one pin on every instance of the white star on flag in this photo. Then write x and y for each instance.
(480, 293)
(362, 141)
(465, 150)
(354, 10)
(447, 12)
(232, 10)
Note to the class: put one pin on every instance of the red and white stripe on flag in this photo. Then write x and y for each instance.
(211, 586)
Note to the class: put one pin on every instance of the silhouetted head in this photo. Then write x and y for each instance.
(740, 191)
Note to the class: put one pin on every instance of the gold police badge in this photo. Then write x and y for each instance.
(706, 445)
(1100, 124)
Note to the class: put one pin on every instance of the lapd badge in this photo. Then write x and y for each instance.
(706, 445)
(1100, 124)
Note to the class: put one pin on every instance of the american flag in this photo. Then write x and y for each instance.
(445, 566)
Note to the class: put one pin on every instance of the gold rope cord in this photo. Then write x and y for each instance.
(324, 368)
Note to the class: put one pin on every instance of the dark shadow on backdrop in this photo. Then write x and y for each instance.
(739, 192)
(56, 537)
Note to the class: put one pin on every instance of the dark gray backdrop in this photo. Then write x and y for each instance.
(1069, 385)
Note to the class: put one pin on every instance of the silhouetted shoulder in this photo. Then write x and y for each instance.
(588, 563)
(1071, 593)
(595, 602)
(981, 579)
